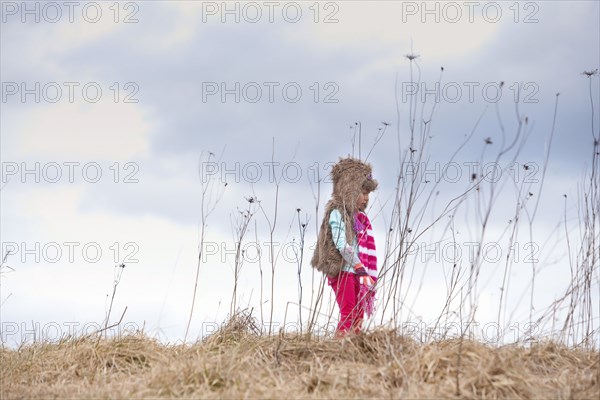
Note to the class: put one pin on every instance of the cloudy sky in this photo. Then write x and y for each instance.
(116, 117)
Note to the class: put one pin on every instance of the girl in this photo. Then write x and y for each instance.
(345, 249)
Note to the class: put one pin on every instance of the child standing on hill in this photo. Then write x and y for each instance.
(345, 249)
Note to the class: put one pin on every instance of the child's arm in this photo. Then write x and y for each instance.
(338, 233)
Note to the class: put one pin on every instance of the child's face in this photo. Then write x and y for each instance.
(362, 201)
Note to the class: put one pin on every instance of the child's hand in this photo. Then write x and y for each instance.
(367, 280)
(364, 277)
(360, 270)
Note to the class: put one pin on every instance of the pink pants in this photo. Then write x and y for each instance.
(346, 288)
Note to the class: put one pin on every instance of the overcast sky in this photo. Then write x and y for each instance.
(114, 108)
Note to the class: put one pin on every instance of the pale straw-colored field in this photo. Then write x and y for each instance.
(236, 362)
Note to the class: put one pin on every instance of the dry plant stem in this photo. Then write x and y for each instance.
(8, 253)
(200, 247)
(458, 358)
(299, 258)
(272, 224)
(504, 287)
(568, 324)
(3, 270)
(241, 226)
(117, 278)
(315, 302)
(377, 139)
(108, 327)
(452, 286)
(262, 319)
(532, 217)
(318, 304)
(398, 272)
(206, 208)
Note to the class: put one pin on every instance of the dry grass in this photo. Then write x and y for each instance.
(237, 362)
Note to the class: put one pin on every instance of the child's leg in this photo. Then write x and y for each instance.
(345, 296)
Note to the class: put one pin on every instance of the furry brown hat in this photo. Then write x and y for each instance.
(350, 177)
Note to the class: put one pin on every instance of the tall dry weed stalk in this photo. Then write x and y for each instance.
(272, 223)
(241, 223)
(316, 298)
(299, 255)
(5, 269)
(212, 190)
(117, 274)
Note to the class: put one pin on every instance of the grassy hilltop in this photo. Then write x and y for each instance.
(236, 362)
